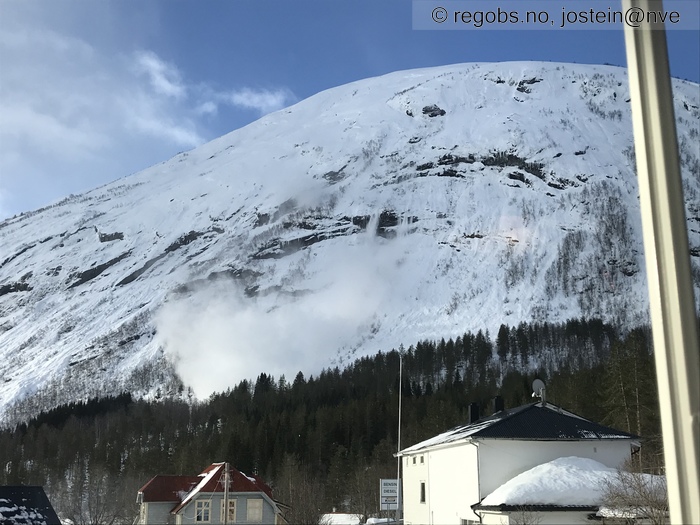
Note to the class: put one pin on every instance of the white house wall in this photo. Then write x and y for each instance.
(451, 486)
(413, 474)
(501, 460)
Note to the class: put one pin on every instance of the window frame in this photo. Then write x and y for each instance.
(232, 505)
(256, 501)
(202, 506)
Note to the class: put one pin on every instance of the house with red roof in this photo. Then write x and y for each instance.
(201, 499)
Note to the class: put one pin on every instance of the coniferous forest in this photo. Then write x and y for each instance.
(324, 441)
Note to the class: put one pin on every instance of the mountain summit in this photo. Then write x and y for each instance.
(415, 205)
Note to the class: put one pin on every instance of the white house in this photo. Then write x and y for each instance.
(200, 499)
(446, 477)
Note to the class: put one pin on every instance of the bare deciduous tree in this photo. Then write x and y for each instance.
(636, 494)
(524, 516)
(302, 491)
(96, 497)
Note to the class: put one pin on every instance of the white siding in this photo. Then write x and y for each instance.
(541, 518)
(450, 476)
(413, 476)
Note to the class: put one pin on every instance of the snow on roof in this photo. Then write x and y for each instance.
(607, 512)
(207, 475)
(211, 480)
(570, 481)
(167, 488)
(26, 505)
(532, 421)
(454, 434)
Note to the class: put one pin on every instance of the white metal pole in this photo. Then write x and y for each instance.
(398, 458)
(672, 306)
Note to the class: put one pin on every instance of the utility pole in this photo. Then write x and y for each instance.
(226, 482)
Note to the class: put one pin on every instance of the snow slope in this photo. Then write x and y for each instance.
(419, 204)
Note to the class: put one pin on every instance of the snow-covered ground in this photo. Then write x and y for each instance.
(357, 220)
(339, 518)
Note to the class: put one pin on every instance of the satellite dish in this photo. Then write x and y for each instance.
(537, 387)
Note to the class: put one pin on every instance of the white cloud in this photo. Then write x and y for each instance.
(162, 128)
(3, 207)
(160, 119)
(207, 108)
(165, 78)
(46, 133)
(262, 100)
(74, 118)
(74, 115)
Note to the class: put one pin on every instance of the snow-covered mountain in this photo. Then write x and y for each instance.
(415, 205)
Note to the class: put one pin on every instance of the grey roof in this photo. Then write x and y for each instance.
(26, 505)
(527, 422)
(537, 508)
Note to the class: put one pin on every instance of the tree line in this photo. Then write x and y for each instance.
(324, 441)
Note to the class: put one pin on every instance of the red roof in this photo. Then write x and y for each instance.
(181, 489)
(168, 488)
(238, 482)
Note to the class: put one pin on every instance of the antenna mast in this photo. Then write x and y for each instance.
(539, 391)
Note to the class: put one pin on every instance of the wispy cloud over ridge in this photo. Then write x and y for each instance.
(262, 100)
(165, 78)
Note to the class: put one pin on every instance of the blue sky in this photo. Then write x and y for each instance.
(93, 91)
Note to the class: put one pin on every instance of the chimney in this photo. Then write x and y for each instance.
(473, 413)
(498, 404)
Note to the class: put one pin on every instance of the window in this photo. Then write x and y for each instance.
(255, 510)
(231, 518)
(422, 491)
(421, 460)
(202, 511)
(414, 460)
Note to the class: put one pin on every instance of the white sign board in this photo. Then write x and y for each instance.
(389, 494)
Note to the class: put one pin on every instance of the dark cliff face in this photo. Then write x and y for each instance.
(423, 203)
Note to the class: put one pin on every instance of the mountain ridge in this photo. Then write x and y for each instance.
(408, 206)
